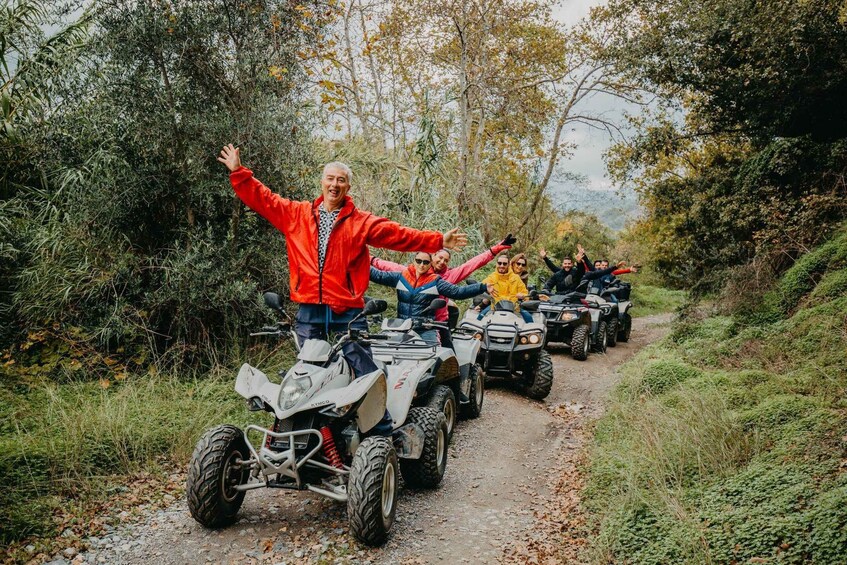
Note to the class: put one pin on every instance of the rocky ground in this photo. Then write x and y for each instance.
(510, 494)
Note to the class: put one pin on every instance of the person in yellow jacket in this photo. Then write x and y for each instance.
(507, 286)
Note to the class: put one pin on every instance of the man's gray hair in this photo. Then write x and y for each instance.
(339, 165)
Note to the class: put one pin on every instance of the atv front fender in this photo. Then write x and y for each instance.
(253, 383)
(371, 389)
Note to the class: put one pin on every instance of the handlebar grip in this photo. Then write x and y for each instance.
(378, 336)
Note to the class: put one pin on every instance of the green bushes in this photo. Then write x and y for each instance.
(725, 442)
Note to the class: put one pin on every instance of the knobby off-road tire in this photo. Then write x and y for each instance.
(581, 342)
(473, 408)
(626, 330)
(612, 333)
(212, 475)
(372, 491)
(443, 400)
(427, 471)
(602, 337)
(542, 377)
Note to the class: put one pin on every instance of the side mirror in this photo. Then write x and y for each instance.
(531, 288)
(437, 304)
(374, 307)
(272, 301)
(530, 305)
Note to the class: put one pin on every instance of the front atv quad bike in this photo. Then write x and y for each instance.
(568, 322)
(512, 348)
(325, 437)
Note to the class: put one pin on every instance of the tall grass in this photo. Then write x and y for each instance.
(65, 441)
(725, 442)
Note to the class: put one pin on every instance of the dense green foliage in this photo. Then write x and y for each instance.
(726, 441)
(123, 233)
(748, 155)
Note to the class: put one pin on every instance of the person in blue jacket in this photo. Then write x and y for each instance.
(417, 286)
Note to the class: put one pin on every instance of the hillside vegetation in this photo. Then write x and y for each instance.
(727, 442)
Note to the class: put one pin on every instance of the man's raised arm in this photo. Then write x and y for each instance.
(252, 192)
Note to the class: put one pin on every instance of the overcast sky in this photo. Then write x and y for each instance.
(587, 159)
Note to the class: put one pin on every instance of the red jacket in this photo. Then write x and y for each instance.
(346, 269)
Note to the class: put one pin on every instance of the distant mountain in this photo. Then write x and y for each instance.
(611, 207)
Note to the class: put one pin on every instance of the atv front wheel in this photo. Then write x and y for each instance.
(443, 400)
(626, 329)
(542, 377)
(214, 472)
(581, 342)
(602, 338)
(612, 333)
(372, 490)
(476, 395)
(427, 471)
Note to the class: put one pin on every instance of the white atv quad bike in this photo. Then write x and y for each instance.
(513, 348)
(433, 375)
(319, 441)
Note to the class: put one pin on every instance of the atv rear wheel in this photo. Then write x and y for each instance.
(214, 472)
(626, 329)
(581, 342)
(443, 400)
(372, 490)
(476, 395)
(602, 338)
(427, 471)
(612, 333)
(542, 377)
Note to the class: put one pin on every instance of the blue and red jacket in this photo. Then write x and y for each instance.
(415, 293)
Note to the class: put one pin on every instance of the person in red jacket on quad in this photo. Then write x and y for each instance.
(327, 242)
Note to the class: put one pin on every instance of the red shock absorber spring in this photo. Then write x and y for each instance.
(330, 452)
(275, 428)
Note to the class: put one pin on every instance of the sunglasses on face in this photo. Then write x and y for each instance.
(422, 261)
(501, 264)
(519, 264)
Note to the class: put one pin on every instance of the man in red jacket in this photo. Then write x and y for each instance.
(327, 242)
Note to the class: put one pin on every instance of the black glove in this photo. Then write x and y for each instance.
(509, 240)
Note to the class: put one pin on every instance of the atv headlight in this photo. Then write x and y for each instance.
(567, 316)
(477, 336)
(530, 338)
(293, 390)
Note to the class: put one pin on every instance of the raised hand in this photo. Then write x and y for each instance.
(542, 253)
(454, 240)
(509, 240)
(231, 157)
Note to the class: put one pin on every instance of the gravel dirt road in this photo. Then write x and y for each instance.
(511, 486)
